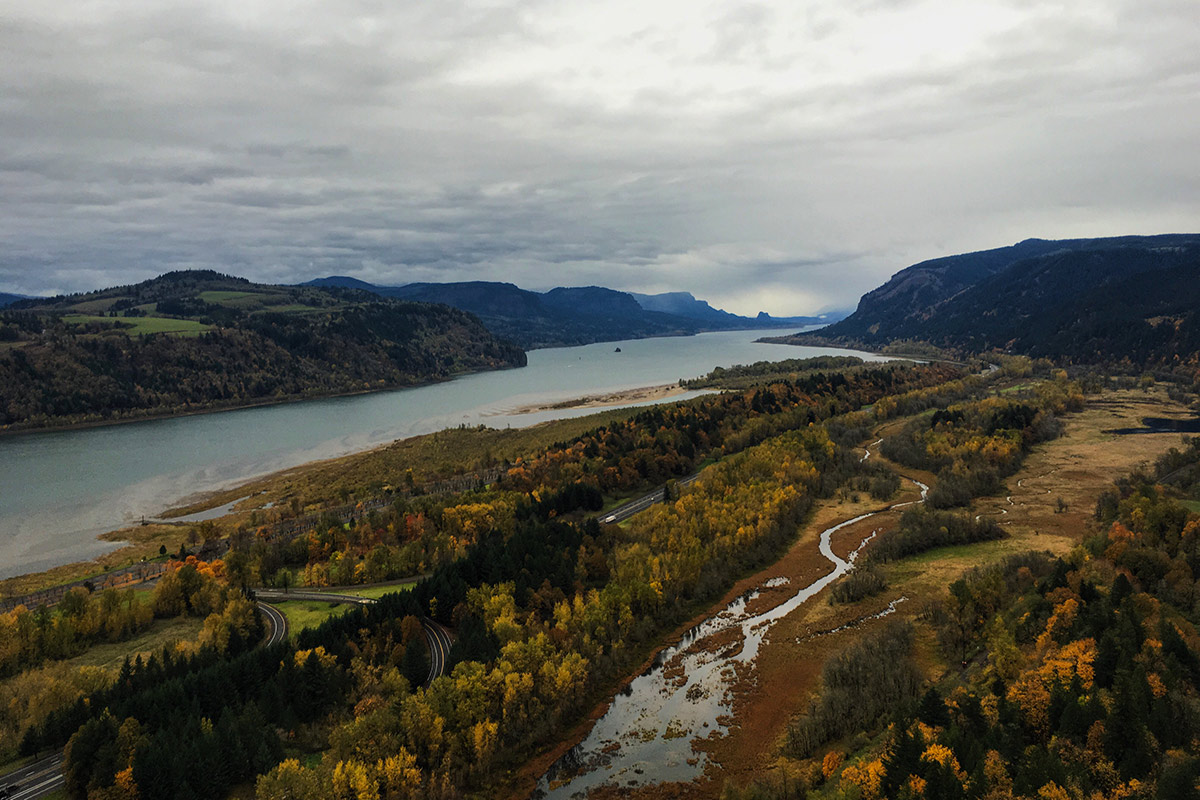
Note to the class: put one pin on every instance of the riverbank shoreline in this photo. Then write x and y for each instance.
(139, 541)
(11, 431)
(643, 394)
(20, 429)
(72, 491)
(206, 501)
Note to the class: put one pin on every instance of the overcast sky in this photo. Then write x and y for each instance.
(777, 156)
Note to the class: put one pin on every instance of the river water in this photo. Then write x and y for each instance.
(59, 489)
(646, 735)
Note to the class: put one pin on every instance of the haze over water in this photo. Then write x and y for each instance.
(59, 489)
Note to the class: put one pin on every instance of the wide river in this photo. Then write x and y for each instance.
(59, 489)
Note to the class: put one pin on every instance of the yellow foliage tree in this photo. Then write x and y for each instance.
(400, 777)
(354, 781)
(288, 781)
(325, 659)
(868, 777)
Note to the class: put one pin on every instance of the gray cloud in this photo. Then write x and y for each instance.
(759, 156)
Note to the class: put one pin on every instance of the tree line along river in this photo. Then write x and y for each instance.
(59, 489)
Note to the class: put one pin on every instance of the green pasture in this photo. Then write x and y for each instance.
(235, 299)
(303, 614)
(163, 633)
(140, 326)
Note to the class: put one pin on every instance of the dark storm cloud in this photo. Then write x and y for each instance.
(760, 156)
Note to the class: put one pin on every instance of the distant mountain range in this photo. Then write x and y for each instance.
(569, 316)
(7, 299)
(1129, 298)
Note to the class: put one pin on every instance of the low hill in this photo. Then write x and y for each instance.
(574, 315)
(7, 299)
(198, 339)
(482, 298)
(1134, 299)
(593, 300)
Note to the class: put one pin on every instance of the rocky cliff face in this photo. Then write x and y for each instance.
(909, 304)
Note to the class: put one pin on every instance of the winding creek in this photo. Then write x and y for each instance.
(646, 736)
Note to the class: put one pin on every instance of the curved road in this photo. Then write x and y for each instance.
(439, 639)
(277, 623)
(44, 776)
(305, 594)
(627, 510)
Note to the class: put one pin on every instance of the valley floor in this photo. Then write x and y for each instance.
(1076, 467)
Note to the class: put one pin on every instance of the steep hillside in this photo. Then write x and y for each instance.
(1134, 299)
(897, 308)
(1135, 304)
(684, 304)
(197, 340)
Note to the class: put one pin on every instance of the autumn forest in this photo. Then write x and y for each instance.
(1053, 666)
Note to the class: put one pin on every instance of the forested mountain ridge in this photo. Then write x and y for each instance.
(1132, 299)
(7, 299)
(571, 315)
(684, 304)
(196, 339)
(1138, 305)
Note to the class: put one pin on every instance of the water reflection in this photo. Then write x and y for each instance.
(686, 695)
(59, 489)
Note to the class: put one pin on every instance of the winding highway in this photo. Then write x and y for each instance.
(627, 510)
(439, 639)
(440, 643)
(277, 623)
(45, 777)
(38, 779)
